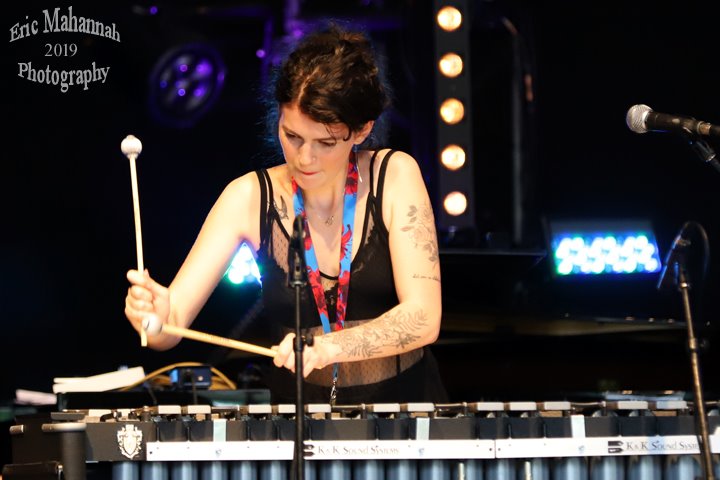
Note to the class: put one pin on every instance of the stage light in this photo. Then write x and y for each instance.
(455, 203)
(452, 111)
(185, 83)
(451, 65)
(243, 268)
(617, 247)
(453, 157)
(454, 140)
(449, 18)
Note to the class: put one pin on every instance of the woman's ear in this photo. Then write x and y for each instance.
(363, 133)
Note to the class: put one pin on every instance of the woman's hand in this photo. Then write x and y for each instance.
(145, 297)
(315, 357)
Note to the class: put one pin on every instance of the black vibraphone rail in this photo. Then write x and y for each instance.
(626, 439)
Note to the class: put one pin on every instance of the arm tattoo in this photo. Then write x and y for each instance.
(426, 277)
(394, 329)
(421, 226)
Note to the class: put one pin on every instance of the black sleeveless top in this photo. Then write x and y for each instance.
(409, 377)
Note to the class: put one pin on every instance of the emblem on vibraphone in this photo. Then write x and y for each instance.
(130, 441)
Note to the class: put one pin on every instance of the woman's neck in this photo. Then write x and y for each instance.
(327, 199)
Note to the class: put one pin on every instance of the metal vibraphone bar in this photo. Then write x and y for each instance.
(629, 439)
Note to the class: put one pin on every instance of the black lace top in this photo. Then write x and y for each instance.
(411, 376)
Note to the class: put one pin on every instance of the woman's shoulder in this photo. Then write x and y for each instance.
(398, 162)
(386, 154)
(251, 179)
(243, 184)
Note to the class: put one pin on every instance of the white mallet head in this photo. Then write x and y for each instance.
(152, 324)
(131, 146)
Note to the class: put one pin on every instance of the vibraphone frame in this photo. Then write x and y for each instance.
(481, 440)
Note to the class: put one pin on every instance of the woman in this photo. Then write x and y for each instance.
(373, 299)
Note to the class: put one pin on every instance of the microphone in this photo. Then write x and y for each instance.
(674, 261)
(297, 272)
(296, 238)
(641, 119)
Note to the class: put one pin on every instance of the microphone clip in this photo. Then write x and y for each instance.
(297, 268)
(674, 271)
(702, 148)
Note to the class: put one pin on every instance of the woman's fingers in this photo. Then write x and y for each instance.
(312, 356)
(285, 356)
(145, 297)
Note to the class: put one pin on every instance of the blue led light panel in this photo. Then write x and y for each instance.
(603, 248)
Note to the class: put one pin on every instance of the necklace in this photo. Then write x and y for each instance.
(327, 221)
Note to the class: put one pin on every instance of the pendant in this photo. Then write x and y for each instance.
(329, 221)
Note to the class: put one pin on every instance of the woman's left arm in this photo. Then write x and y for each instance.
(415, 321)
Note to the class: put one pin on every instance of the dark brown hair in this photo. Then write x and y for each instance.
(333, 76)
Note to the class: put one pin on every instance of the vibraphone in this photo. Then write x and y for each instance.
(484, 440)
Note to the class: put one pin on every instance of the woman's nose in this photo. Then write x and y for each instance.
(305, 154)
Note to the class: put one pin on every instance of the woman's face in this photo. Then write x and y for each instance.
(316, 153)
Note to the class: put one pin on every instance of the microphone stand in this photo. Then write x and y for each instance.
(677, 266)
(297, 279)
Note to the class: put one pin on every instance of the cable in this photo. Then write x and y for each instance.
(705, 242)
(157, 376)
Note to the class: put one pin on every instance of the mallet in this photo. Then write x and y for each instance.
(131, 148)
(153, 326)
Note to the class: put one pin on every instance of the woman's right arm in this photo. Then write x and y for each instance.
(234, 218)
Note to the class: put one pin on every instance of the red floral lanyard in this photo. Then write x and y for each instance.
(350, 200)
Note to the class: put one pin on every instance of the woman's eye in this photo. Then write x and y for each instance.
(327, 144)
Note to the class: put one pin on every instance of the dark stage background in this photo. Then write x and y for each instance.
(511, 331)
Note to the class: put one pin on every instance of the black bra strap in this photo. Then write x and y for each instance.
(265, 199)
(381, 179)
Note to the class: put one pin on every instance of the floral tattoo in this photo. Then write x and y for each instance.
(421, 225)
(394, 329)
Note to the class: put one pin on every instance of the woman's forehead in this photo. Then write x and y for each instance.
(291, 117)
